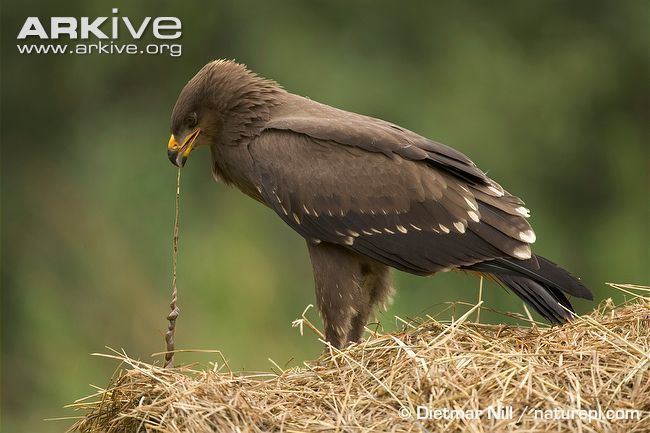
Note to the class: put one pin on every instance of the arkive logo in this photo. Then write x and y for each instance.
(82, 27)
(103, 29)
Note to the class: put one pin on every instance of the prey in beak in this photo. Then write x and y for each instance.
(178, 154)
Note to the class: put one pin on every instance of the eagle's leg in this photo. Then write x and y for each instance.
(377, 289)
(339, 289)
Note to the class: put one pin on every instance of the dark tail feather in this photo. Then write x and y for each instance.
(539, 283)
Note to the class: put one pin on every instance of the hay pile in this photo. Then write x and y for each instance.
(593, 369)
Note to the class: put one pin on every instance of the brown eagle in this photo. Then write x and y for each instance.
(366, 195)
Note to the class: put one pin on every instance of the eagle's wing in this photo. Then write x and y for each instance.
(418, 206)
(375, 135)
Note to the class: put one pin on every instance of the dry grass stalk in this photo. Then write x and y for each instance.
(598, 361)
(174, 311)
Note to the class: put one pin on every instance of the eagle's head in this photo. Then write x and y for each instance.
(219, 105)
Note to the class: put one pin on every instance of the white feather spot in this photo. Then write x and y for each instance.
(416, 227)
(305, 209)
(315, 213)
(522, 252)
(523, 211)
(443, 228)
(470, 203)
(353, 233)
(295, 217)
(284, 210)
(348, 240)
(473, 216)
(365, 232)
(527, 236)
(459, 226)
(376, 231)
(339, 233)
(389, 231)
(401, 229)
(498, 192)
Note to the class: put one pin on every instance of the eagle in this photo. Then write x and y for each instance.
(366, 194)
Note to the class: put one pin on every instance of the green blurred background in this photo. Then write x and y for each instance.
(550, 97)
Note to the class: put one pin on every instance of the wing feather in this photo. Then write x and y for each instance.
(405, 212)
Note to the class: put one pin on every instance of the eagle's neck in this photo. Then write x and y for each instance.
(246, 102)
(234, 166)
(249, 101)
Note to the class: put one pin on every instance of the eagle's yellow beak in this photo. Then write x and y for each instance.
(178, 154)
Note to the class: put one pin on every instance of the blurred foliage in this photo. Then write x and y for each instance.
(550, 97)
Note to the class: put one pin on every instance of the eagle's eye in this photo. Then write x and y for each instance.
(191, 120)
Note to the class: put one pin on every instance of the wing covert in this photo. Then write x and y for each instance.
(402, 212)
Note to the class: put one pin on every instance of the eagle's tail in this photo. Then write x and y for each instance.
(539, 282)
